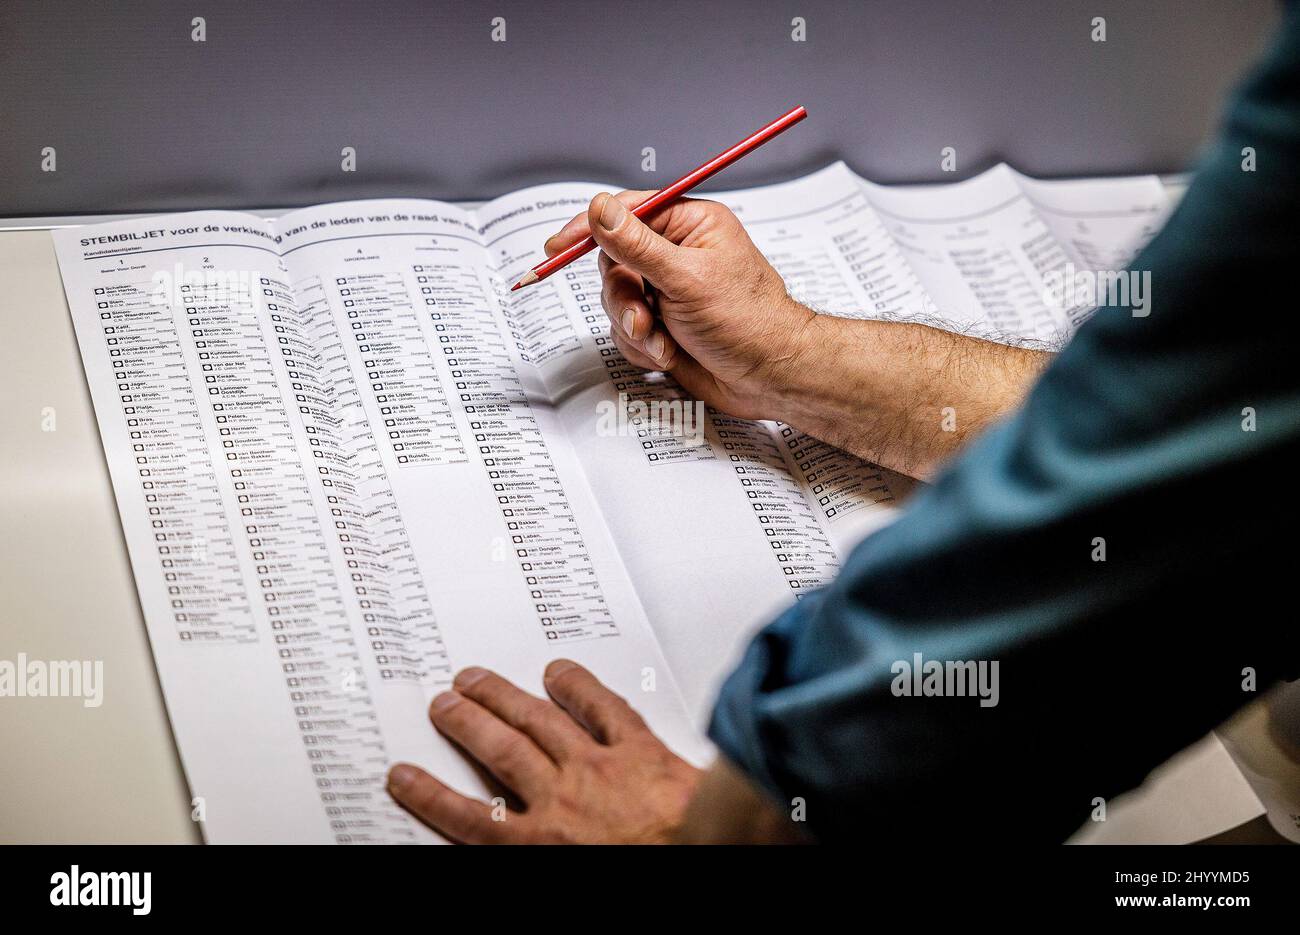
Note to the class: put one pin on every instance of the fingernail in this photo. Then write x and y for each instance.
(546, 247)
(629, 320)
(611, 216)
(467, 677)
(655, 346)
(559, 667)
(444, 701)
(401, 776)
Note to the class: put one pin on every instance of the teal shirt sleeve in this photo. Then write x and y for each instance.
(1175, 438)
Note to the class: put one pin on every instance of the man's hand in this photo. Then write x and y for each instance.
(688, 292)
(726, 327)
(585, 766)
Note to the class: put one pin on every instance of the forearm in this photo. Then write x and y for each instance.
(904, 396)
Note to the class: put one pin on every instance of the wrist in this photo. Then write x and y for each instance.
(727, 808)
(790, 365)
(820, 376)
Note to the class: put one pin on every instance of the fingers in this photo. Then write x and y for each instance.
(541, 721)
(638, 355)
(507, 753)
(645, 342)
(447, 811)
(629, 241)
(689, 373)
(622, 294)
(656, 351)
(609, 718)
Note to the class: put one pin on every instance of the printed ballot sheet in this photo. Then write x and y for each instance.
(348, 461)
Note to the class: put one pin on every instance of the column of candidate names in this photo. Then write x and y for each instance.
(305, 606)
(186, 513)
(543, 533)
(234, 468)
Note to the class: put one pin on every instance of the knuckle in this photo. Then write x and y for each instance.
(510, 758)
(487, 685)
(605, 766)
(511, 751)
(432, 804)
(494, 697)
(591, 715)
(554, 828)
(636, 241)
(533, 718)
(628, 714)
(633, 715)
(448, 718)
(566, 679)
(589, 755)
(715, 209)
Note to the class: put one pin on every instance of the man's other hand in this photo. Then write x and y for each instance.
(584, 765)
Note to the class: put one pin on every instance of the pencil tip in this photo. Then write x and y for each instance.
(529, 278)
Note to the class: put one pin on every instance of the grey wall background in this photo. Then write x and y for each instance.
(142, 118)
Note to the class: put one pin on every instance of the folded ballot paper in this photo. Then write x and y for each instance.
(348, 461)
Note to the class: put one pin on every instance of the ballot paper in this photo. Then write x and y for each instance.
(348, 461)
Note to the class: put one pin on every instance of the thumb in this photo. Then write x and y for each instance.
(627, 240)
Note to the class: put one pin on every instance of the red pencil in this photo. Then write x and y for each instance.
(672, 192)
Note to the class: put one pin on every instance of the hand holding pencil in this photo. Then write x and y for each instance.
(725, 326)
